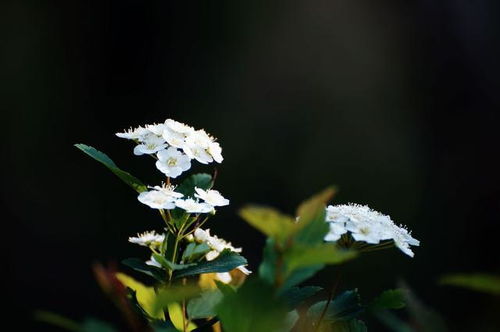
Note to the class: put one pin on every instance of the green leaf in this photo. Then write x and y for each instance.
(204, 306)
(140, 266)
(300, 275)
(94, 325)
(225, 262)
(312, 208)
(300, 256)
(169, 265)
(226, 289)
(486, 283)
(200, 180)
(296, 295)
(290, 320)
(194, 251)
(389, 299)
(344, 307)
(269, 221)
(353, 325)
(173, 294)
(267, 268)
(253, 308)
(57, 320)
(101, 157)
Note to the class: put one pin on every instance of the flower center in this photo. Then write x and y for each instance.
(172, 162)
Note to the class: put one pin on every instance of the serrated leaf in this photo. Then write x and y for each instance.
(101, 157)
(296, 295)
(303, 256)
(169, 265)
(194, 251)
(204, 306)
(344, 307)
(389, 299)
(139, 266)
(200, 180)
(486, 283)
(269, 221)
(225, 262)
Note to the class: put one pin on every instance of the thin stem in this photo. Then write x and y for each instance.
(330, 298)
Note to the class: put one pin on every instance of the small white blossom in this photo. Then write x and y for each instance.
(215, 151)
(138, 133)
(218, 245)
(172, 162)
(192, 206)
(212, 197)
(178, 127)
(197, 144)
(367, 225)
(153, 262)
(150, 145)
(168, 190)
(156, 128)
(148, 239)
(159, 199)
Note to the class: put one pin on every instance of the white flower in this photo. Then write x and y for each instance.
(157, 199)
(367, 225)
(148, 239)
(153, 262)
(156, 128)
(197, 144)
(218, 245)
(138, 133)
(168, 190)
(192, 206)
(172, 162)
(174, 138)
(215, 151)
(150, 145)
(178, 127)
(212, 197)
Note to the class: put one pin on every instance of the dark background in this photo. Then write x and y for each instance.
(395, 102)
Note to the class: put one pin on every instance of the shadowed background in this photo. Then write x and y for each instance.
(394, 102)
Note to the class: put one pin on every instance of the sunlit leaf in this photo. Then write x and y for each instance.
(101, 157)
(269, 221)
(486, 283)
(302, 256)
(146, 296)
(175, 314)
(173, 294)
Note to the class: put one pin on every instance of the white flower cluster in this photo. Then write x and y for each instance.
(166, 198)
(148, 239)
(367, 225)
(217, 245)
(175, 145)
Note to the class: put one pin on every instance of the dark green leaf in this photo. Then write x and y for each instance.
(389, 299)
(290, 320)
(194, 251)
(296, 295)
(267, 268)
(169, 265)
(204, 306)
(481, 282)
(253, 308)
(57, 320)
(300, 275)
(225, 289)
(344, 307)
(94, 325)
(225, 262)
(140, 266)
(106, 161)
(201, 180)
